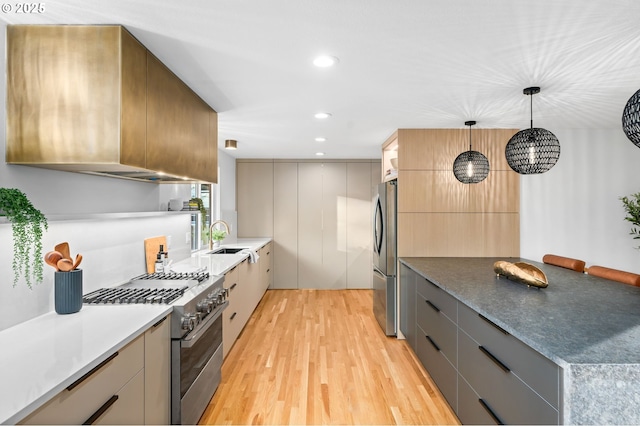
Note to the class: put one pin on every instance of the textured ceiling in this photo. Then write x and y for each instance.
(403, 64)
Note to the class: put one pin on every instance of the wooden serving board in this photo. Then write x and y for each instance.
(151, 249)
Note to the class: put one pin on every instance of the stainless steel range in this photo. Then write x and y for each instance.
(196, 332)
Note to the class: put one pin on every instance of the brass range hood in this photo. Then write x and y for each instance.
(92, 99)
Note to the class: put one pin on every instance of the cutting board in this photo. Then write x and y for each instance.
(151, 249)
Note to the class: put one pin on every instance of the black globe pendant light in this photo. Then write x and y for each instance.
(631, 119)
(532, 150)
(470, 166)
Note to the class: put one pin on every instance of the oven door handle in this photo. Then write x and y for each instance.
(194, 336)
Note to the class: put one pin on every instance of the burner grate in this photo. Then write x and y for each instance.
(120, 295)
(199, 276)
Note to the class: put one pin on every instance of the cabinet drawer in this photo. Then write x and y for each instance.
(128, 409)
(438, 327)
(537, 371)
(510, 399)
(81, 399)
(231, 280)
(438, 366)
(470, 410)
(438, 298)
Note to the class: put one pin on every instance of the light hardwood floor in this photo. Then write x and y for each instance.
(319, 357)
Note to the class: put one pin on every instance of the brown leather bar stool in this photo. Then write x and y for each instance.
(564, 262)
(614, 275)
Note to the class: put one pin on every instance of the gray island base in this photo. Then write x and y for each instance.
(502, 352)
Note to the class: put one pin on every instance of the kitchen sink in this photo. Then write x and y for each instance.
(226, 250)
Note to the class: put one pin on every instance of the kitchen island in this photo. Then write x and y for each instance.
(588, 327)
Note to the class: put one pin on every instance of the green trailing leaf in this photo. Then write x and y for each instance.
(27, 225)
(631, 205)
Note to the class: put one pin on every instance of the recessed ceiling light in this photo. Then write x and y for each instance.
(321, 139)
(325, 61)
(319, 154)
(322, 115)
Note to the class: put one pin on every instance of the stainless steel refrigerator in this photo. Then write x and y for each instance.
(385, 257)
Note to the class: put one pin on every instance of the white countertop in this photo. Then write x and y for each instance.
(219, 264)
(42, 356)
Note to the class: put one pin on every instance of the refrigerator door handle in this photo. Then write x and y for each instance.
(378, 222)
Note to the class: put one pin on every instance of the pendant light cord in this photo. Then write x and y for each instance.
(470, 137)
(531, 110)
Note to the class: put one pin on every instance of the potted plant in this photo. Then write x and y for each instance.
(632, 208)
(217, 235)
(199, 204)
(27, 226)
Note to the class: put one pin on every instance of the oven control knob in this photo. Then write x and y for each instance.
(204, 306)
(188, 322)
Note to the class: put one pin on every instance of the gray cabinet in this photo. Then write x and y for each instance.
(486, 375)
(408, 304)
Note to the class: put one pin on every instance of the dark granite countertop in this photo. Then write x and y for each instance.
(577, 319)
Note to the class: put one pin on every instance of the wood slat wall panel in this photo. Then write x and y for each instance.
(459, 234)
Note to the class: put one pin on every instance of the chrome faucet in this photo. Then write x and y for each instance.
(215, 222)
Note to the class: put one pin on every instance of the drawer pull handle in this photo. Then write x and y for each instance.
(233, 286)
(233, 315)
(268, 270)
(435, 308)
(433, 343)
(93, 370)
(493, 324)
(95, 416)
(494, 359)
(268, 253)
(159, 322)
(490, 411)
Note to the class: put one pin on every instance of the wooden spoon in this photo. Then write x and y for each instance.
(77, 262)
(52, 258)
(65, 265)
(63, 248)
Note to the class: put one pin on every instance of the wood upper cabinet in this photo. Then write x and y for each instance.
(92, 99)
(440, 216)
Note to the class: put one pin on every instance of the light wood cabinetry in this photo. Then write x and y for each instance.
(157, 373)
(100, 389)
(254, 198)
(231, 323)
(93, 99)
(266, 267)
(246, 283)
(131, 386)
(438, 215)
(358, 225)
(321, 213)
(285, 225)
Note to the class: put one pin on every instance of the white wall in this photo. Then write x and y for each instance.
(227, 193)
(574, 209)
(113, 252)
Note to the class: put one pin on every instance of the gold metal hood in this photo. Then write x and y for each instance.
(92, 99)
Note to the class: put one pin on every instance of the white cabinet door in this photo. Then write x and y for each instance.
(285, 225)
(254, 197)
(359, 224)
(310, 270)
(334, 226)
(157, 373)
